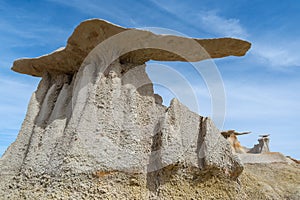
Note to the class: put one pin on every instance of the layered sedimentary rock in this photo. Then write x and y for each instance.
(95, 113)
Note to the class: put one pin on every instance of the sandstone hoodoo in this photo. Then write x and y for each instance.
(231, 136)
(260, 153)
(95, 129)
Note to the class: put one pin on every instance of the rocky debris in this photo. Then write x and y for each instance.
(99, 116)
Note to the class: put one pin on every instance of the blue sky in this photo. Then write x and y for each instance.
(262, 88)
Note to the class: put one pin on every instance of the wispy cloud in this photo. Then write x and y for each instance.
(25, 32)
(209, 21)
(270, 51)
(36, 33)
(88, 6)
(277, 53)
(222, 26)
(264, 101)
(100, 8)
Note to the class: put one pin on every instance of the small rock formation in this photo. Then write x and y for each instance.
(95, 116)
(262, 146)
(231, 136)
(259, 154)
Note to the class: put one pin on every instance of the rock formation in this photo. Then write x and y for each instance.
(259, 154)
(130, 45)
(231, 136)
(95, 114)
(262, 146)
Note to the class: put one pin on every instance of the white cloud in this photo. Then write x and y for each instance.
(277, 53)
(209, 21)
(225, 27)
(266, 49)
(35, 33)
(99, 8)
(88, 6)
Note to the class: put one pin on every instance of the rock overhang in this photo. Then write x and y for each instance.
(145, 46)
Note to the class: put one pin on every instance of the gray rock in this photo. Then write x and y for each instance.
(97, 122)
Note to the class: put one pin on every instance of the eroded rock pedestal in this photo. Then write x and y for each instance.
(96, 128)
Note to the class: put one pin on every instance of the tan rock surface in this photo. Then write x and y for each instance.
(268, 157)
(90, 33)
(273, 181)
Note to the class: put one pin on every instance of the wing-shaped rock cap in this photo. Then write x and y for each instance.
(230, 132)
(91, 33)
